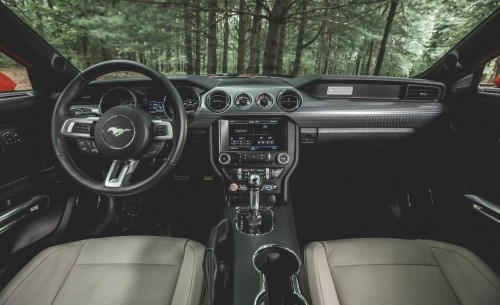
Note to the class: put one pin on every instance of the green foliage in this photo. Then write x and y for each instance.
(153, 31)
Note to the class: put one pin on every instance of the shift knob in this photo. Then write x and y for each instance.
(254, 181)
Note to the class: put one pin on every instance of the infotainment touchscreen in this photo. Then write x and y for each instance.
(256, 135)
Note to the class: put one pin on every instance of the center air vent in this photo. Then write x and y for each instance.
(422, 93)
(289, 100)
(218, 101)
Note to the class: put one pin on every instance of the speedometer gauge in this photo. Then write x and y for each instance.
(190, 98)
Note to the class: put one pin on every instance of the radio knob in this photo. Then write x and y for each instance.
(282, 158)
(224, 158)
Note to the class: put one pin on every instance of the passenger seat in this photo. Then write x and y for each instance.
(393, 271)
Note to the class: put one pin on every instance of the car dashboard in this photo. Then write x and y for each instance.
(320, 102)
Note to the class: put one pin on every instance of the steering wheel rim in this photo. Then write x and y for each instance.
(61, 114)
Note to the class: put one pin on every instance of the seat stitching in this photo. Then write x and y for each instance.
(470, 263)
(321, 289)
(399, 264)
(152, 264)
(183, 258)
(67, 275)
(34, 270)
(445, 277)
(192, 273)
(319, 282)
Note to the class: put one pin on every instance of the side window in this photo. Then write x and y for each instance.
(491, 75)
(13, 76)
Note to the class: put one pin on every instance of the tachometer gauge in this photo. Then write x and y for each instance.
(115, 97)
(128, 102)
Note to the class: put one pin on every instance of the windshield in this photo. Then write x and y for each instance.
(268, 37)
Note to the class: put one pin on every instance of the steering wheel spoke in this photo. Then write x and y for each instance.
(118, 172)
(81, 128)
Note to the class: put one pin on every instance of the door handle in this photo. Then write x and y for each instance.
(12, 216)
(485, 207)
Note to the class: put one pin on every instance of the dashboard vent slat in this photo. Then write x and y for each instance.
(218, 101)
(289, 100)
(422, 93)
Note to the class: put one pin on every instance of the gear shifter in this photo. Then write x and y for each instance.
(254, 218)
(254, 183)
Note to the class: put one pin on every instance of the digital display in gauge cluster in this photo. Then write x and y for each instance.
(155, 107)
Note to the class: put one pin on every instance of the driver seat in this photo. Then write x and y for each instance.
(113, 270)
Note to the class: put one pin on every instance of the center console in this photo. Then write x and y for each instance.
(255, 158)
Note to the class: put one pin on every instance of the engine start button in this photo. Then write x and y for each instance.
(233, 187)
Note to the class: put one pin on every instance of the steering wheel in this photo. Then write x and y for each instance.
(123, 134)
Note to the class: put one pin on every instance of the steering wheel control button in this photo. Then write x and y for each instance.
(224, 158)
(87, 146)
(233, 187)
(118, 132)
(81, 128)
(282, 158)
(161, 130)
(154, 150)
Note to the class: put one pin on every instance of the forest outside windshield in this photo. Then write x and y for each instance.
(268, 37)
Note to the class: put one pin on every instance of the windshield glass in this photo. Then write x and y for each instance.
(269, 37)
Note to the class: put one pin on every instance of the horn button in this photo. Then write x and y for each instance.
(123, 133)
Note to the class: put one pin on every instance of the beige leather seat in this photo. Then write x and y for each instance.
(116, 270)
(393, 271)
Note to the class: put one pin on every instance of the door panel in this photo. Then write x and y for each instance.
(469, 186)
(33, 196)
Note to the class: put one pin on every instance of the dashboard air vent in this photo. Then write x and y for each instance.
(218, 101)
(422, 93)
(289, 100)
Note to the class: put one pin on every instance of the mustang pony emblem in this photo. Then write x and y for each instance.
(117, 131)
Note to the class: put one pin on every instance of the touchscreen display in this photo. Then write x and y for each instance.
(256, 135)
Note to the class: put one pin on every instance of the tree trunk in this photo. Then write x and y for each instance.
(387, 31)
(281, 49)
(225, 50)
(86, 49)
(212, 38)
(276, 20)
(300, 40)
(188, 40)
(197, 38)
(242, 31)
(369, 61)
(254, 60)
(358, 57)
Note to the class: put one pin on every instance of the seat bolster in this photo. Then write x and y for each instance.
(319, 277)
(470, 278)
(190, 282)
(42, 278)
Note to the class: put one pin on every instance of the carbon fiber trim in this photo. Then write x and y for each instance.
(327, 113)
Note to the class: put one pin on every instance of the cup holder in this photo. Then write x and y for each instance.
(278, 267)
